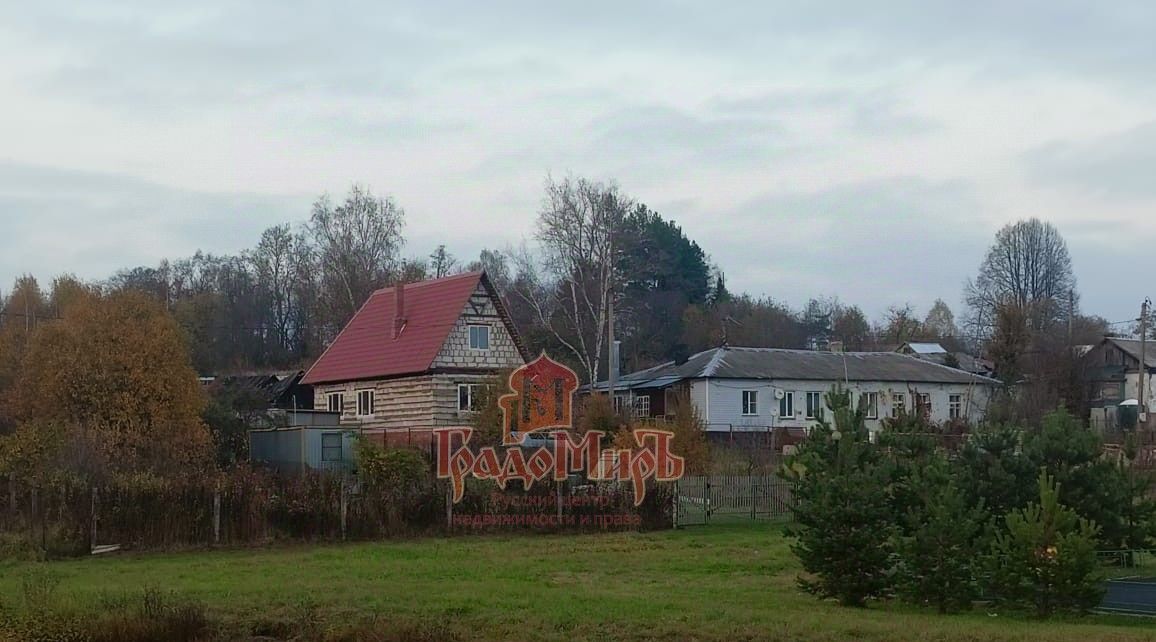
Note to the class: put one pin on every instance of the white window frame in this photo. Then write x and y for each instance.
(642, 407)
(815, 410)
(750, 400)
(340, 447)
(954, 406)
(923, 403)
(372, 402)
(470, 389)
(479, 327)
(898, 404)
(870, 402)
(787, 403)
(340, 397)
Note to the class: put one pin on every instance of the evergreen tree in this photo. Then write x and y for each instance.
(1044, 559)
(945, 534)
(843, 526)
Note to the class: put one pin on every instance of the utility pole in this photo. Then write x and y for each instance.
(1144, 357)
(1071, 314)
(611, 364)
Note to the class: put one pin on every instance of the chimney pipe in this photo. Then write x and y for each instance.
(398, 309)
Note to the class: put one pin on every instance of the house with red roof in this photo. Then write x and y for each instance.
(414, 356)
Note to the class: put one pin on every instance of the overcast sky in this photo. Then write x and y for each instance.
(867, 150)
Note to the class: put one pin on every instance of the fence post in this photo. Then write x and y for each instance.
(449, 507)
(706, 499)
(92, 532)
(558, 499)
(754, 487)
(216, 516)
(344, 508)
(676, 500)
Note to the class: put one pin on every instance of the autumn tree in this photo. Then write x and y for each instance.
(851, 327)
(116, 370)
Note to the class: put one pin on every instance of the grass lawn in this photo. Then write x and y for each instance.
(704, 583)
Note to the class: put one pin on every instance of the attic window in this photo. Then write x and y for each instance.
(479, 337)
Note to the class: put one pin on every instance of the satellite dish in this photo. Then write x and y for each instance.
(779, 394)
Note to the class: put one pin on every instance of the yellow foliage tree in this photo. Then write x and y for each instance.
(116, 369)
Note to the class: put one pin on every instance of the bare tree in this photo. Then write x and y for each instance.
(357, 244)
(900, 324)
(1028, 266)
(442, 263)
(569, 284)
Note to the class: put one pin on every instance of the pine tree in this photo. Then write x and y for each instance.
(1045, 557)
(843, 526)
(945, 533)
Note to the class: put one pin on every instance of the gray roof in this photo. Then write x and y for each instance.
(1132, 348)
(925, 348)
(773, 363)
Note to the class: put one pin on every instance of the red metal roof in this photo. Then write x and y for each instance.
(366, 349)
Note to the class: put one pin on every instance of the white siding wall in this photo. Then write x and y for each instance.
(725, 405)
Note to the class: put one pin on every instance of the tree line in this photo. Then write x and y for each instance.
(596, 254)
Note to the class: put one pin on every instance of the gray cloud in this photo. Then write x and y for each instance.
(58, 221)
(874, 243)
(1119, 166)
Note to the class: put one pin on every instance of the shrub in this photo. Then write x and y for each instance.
(1045, 557)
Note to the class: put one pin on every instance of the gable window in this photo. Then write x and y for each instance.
(331, 446)
(750, 402)
(787, 406)
(814, 405)
(923, 404)
(479, 337)
(468, 396)
(898, 404)
(364, 403)
(335, 402)
(955, 406)
(869, 402)
(642, 407)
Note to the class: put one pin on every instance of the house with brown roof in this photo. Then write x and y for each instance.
(414, 356)
(1113, 369)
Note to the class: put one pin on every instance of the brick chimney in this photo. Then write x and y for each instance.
(398, 309)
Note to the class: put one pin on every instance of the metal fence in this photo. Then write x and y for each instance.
(719, 499)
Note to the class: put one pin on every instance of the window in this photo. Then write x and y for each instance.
(787, 406)
(869, 402)
(923, 404)
(468, 396)
(642, 407)
(898, 404)
(814, 405)
(750, 402)
(479, 337)
(364, 403)
(955, 406)
(331, 446)
(619, 402)
(335, 402)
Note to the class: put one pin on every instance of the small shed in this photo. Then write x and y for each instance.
(310, 440)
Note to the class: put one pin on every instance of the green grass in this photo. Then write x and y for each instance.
(704, 583)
